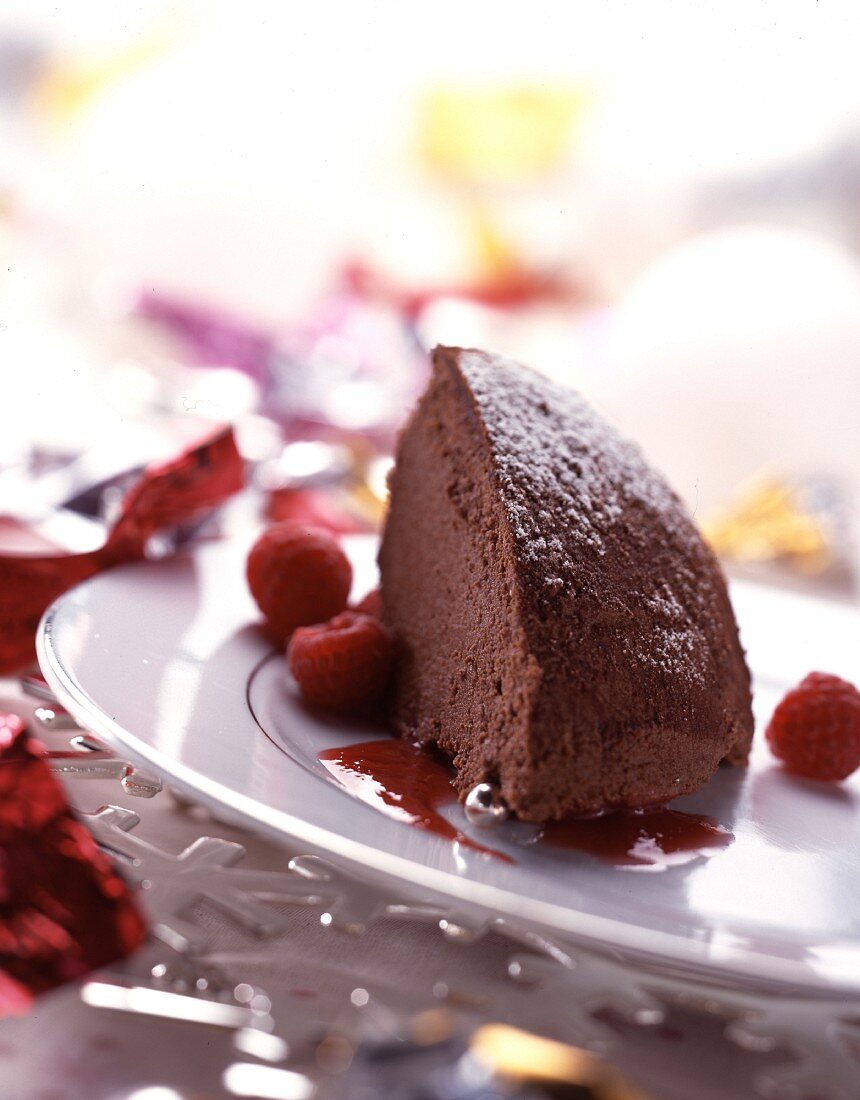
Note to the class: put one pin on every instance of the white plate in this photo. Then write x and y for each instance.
(160, 660)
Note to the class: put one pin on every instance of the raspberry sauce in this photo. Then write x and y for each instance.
(410, 785)
(647, 839)
(403, 782)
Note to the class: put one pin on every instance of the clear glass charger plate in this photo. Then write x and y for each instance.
(163, 661)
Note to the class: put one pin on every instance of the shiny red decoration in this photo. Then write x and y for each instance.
(166, 495)
(64, 910)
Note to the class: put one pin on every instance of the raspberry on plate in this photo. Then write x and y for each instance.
(815, 730)
(298, 576)
(342, 665)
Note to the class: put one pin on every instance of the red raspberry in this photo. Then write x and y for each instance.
(815, 730)
(342, 665)
(297, 576)
(371, 604)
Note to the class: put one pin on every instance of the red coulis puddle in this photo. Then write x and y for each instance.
(411, 785)
(403, 782)
(643, 839)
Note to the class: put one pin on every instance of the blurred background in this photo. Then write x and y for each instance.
(267, 213)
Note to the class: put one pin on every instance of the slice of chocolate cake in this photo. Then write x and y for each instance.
(564, 633)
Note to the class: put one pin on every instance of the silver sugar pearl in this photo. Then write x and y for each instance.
(485, 807)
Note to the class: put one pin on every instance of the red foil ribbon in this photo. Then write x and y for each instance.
(166, 495)
(64, 910)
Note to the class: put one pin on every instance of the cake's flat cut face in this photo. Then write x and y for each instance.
(563, 630)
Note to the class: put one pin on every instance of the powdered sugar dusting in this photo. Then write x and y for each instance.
(574, 492)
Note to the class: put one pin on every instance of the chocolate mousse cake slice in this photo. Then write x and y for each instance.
(563, 631)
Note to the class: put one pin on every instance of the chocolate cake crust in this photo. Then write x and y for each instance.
(562, 629)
